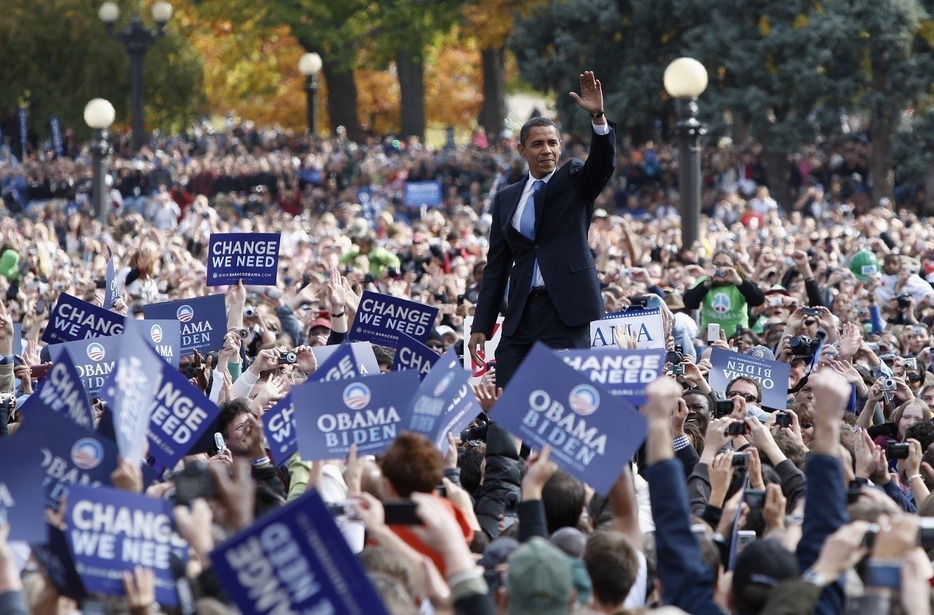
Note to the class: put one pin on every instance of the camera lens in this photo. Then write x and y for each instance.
(249, 312)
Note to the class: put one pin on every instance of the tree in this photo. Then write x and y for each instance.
(58, 51)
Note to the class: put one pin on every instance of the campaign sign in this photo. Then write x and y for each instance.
(412, 354)
(129, 389)
(369, 412)
(70, 455)
(111, 531)
(488, 350)
(444, 402)
(772, 376)
(382, 319)
(180, 416)
(295, 560)
(644, 326)
(203, 321)
(94, 359)
(20, 492)
(359, 360)
(165, 336)
(110, 282)
(74, 319)
(422, 193)
(592, 433)
(251, 257)
(62, 391)
(55, 558)
(624, 373)
(279, 427)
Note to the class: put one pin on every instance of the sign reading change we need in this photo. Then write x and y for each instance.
(251, 257)
(383, 319)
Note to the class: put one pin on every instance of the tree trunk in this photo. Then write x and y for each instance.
(881, 172)
(411, 72)
(493, 114)
(342, 101)
(928, 204)
(778, 168)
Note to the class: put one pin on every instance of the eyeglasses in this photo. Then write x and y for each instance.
(749, 397)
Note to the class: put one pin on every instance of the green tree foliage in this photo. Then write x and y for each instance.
(59, 52)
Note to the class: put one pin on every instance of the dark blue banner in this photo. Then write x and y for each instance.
(369, 412)
(203, 320)
(62, 391)
(422, 193)
(70, 455)
(772, 376)
(295, 560)
(112, 531)
(624, 373)
(129, 391)
(383, 319)
(251, 257)
(165, 337)
(444, 402)
(58, 140)
(412, 354)
(55, 558)
(21, 498)
(361, 361)
(73, 319)
(592, 433)
(94, 359)
(110, 282)
(279, 427)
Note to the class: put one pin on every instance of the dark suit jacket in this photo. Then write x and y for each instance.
(563, 212)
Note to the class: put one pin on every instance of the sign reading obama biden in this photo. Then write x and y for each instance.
(203, 321)
(382, 319)
(251, 257)
(592, 433)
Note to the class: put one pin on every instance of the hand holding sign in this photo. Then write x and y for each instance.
(140, 587)
(6, 331)
(194, 525)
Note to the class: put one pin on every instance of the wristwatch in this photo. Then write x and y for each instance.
(597, 114)
(814, 577)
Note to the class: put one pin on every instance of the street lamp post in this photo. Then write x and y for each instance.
(310, 65)
(99, 115)
(136, 40)
(685, 80)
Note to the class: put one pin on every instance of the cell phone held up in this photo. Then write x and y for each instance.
(401, 512)
(723, 407)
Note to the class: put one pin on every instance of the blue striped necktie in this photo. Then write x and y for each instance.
(527, 221)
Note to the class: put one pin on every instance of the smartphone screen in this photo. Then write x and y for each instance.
(401, 512)
(713, 332)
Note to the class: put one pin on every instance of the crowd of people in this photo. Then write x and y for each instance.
(730, 507)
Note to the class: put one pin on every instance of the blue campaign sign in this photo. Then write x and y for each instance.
(278, 421)
(55, 558)
(772, 376)
(203, 321)
(422, 193)
(279, 427)
(412, 354)
(251, 257)
(110, 282)
(111, 531)
(21, 498)
(592, 433)
(74, 319)
(624, 373)
(62, 391)
(369, 412)
(129, 391)
(295, 560)
(444, 402)
(94, 359)
(70, 455)
(383, 319)
(165, 336)
(180, 416)
(358, 360)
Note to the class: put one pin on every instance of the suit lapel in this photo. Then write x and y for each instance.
(512, 203)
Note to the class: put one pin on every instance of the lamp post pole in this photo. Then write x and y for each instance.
(136, 40)
(685, 80)
(310, 65)
(99, 115)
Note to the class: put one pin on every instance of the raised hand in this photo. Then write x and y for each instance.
(591, 96)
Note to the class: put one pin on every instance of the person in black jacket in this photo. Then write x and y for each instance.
(500, 478)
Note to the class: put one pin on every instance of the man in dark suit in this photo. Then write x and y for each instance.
(538, 243)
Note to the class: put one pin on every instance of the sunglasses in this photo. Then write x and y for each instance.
(809, 322)
(749, 397)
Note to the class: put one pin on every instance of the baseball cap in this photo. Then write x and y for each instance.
(864, 265)
(445, 330)
(760, 567)
(321, 321)
(495, 554)
(539, 581)
(760, 352)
